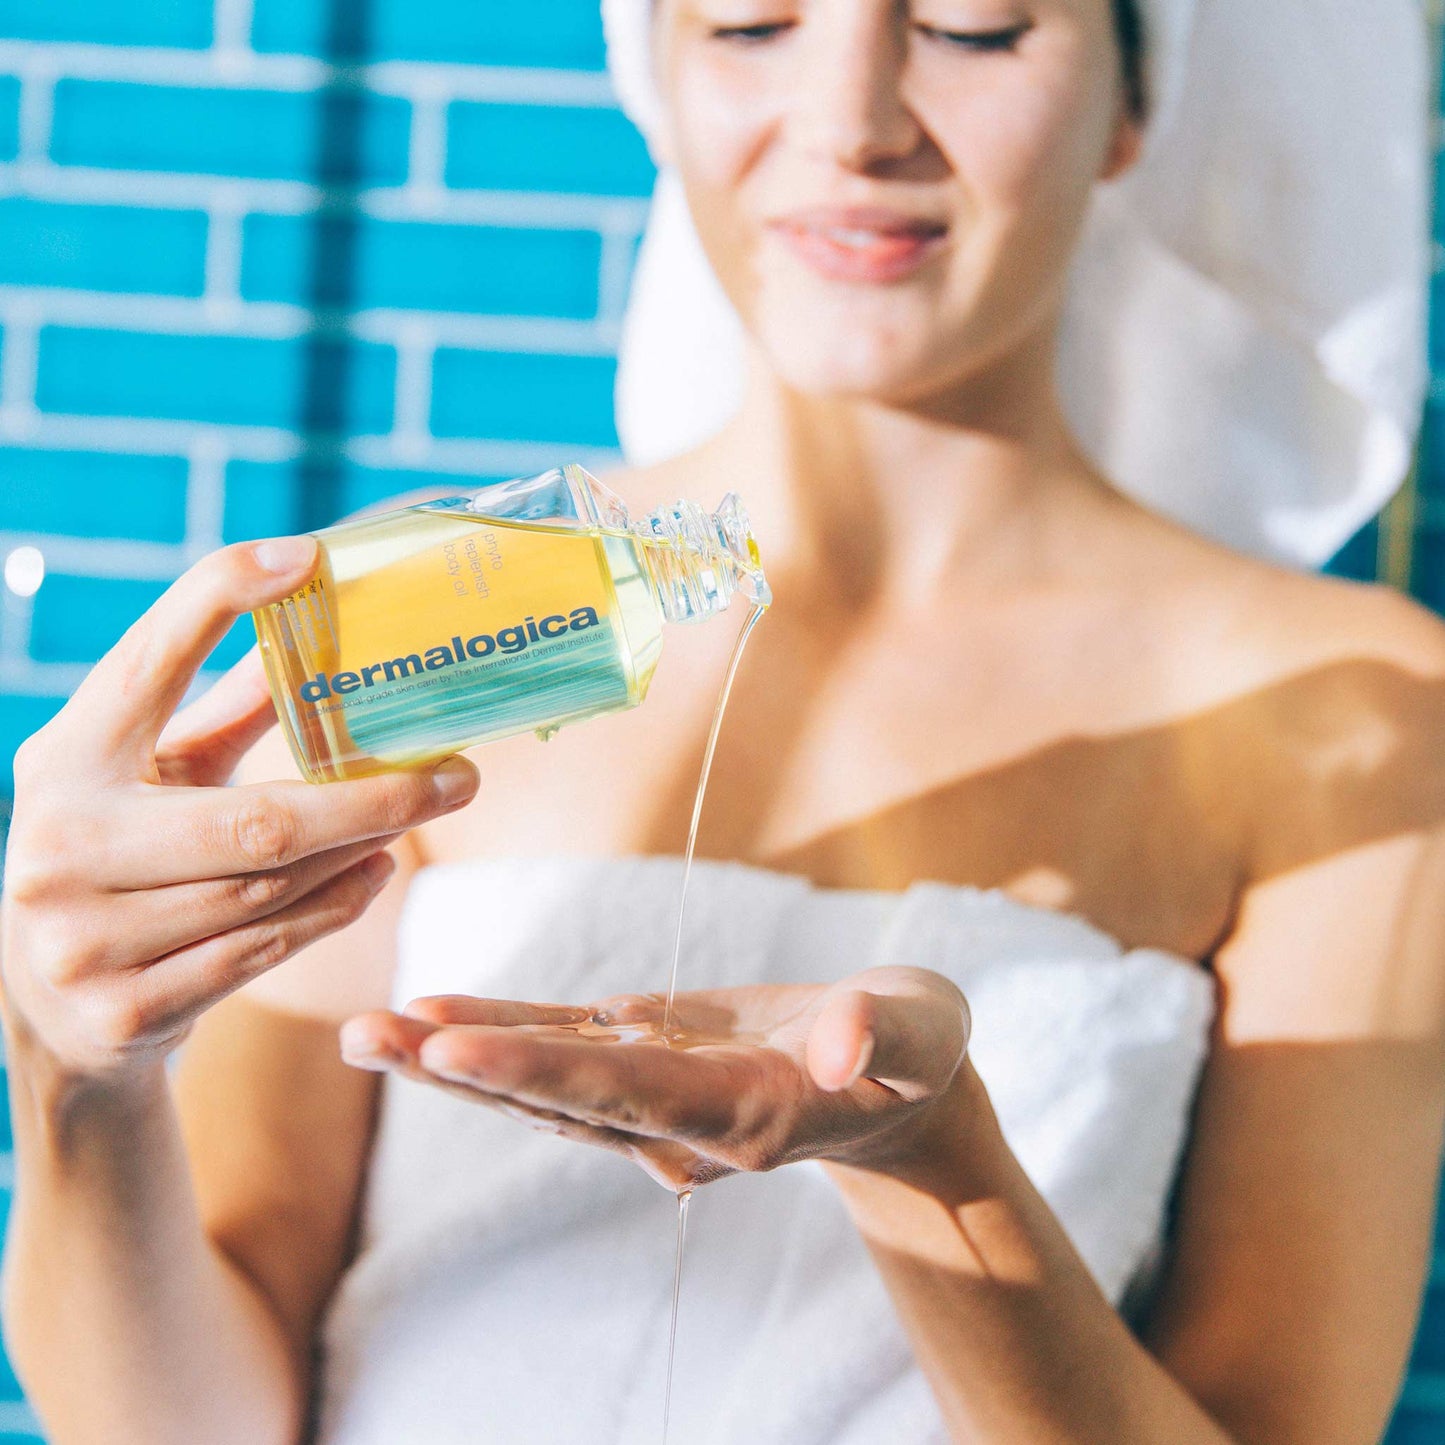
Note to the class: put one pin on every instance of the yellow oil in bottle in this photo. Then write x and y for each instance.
(440, 626)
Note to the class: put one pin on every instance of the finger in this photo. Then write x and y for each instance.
(197, 833)
(658, 1092)
(158, 921)
(908, 1032)
(131, 693)
(205, 742)
(465, 1009)
(196, 977)
(386, 1042)
(384, 1037)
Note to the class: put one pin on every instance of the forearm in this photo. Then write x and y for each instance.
(1017, 1340)
(126, 1324)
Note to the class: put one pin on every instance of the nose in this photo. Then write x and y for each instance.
(848, 105)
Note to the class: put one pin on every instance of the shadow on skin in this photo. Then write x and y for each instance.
(1352, 1250)
(1162, 825)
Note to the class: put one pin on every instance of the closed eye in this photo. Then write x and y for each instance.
(980, 40)
(749, 33)
(977, 40)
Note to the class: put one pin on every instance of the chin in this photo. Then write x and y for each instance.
(839, 355)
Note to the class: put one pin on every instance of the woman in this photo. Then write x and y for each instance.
(1008, 740)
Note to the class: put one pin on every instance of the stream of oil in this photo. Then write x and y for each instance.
(648, 1032)
(685, 1195)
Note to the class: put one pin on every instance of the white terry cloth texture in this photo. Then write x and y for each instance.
(513, 1288)
(1244, 343)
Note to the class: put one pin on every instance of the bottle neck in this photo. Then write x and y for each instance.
(696, 561)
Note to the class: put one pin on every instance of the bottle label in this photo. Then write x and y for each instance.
(447, 628)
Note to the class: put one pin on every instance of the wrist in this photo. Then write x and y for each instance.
(953, 1150)
(59, 1102)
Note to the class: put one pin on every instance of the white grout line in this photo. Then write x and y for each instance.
(205, 495)
(411, 431)
(143, 436)
(18, 362)
(112, 558)
(231, 29)
(37, 113)
(231, 66)
(223, 265)
(14, 1415)
(150, 437)
(614, 274)
(426, 162)
(496, 458)
(16, 616)
(523, 209)
(282, 321)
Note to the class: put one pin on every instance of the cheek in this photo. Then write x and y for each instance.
(1024, 143)
(724, 145)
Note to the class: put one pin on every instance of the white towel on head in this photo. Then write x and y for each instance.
(513, 1287)
(1244, 347)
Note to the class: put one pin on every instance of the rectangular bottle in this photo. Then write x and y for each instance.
(528, 605)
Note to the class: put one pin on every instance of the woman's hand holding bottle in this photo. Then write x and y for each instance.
(139, 889)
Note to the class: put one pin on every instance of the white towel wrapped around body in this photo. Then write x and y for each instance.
(513, 1288)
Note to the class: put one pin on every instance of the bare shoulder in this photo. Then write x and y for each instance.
(1327, 729)
(1254, 620)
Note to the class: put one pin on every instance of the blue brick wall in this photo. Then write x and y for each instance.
(247, 286)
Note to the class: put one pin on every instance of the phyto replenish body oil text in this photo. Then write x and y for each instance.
(527, 605)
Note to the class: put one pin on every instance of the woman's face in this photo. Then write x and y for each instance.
(982, 124)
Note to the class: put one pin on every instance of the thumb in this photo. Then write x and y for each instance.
(906, 1028)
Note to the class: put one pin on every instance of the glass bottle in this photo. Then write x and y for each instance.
(527, 605)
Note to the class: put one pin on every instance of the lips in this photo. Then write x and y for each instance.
(860, 243)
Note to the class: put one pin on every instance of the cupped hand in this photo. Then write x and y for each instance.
(747, 1079)
(138, 889)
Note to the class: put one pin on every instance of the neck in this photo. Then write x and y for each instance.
(869, 498)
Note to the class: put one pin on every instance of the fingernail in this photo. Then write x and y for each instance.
(369, 1056)
(865, 1057)
(285, 554)
(454, 780)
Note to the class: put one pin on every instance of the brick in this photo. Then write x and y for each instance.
(9, 1385)
(566, 34)
(1416, 1426)
(19, 717)
(93, 495)
(233, 646)
(314, 385)
(78, 619)
(586, 150)
(1357, 558)
(518, 396)
(352, 262)
(339, 137)
(102, 248)
(266, 499)
(1429, 585)
(1429, 1351)
(1432, 450)
(9, 117)
(181, 24)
